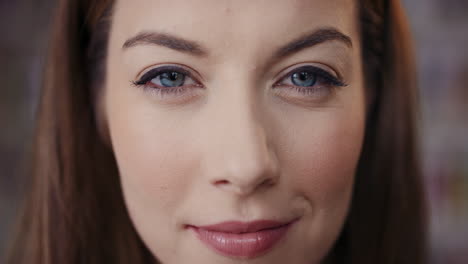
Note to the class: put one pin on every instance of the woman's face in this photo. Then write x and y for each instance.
(237, 125)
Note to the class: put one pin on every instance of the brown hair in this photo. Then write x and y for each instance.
(75, 211)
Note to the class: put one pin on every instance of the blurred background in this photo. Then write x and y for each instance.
(440, 30)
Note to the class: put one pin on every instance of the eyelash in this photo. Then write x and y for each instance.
(327, 80)
(145, 81)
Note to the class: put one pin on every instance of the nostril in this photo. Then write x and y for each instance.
(266, 183)
(269, 182)
(221, 182)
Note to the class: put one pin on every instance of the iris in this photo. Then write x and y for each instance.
(304, 78)
(172, 79)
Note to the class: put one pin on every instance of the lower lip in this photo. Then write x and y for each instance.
(245, 245)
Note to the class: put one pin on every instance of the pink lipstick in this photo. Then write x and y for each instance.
(242, 239)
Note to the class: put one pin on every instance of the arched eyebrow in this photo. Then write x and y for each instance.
(312, 39)
(194, 48)
(166, 40)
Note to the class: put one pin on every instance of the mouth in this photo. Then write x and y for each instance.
(242, 239)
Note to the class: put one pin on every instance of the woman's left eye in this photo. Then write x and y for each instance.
(303, 78)
(170, 79)
(310, 81)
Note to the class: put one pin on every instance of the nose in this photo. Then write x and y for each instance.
(240, 158)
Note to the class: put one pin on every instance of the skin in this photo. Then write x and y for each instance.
(237, 147)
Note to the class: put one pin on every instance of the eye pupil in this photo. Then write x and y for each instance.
(303, 78)
(172, 79)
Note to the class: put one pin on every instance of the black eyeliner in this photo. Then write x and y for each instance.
(153, 73)
(332, 80)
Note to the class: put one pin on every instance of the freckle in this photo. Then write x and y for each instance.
(227, 10)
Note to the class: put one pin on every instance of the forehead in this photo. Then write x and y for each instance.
(222, 23)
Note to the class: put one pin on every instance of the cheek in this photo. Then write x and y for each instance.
(150, 169)
(320, 148)
(155, 176)
(325, 160)
(319, 157)
(321, 160)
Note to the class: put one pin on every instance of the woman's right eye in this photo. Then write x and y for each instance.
(166, 77)
(167, 80)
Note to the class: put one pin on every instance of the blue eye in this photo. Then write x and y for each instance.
(309, 81)
(170, 79)
(166, 77)
(304, 78)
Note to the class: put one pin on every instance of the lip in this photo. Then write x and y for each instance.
(242, 239)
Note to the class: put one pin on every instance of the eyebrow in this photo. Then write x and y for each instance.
(312, 39)
(192, 47)
(166, 40)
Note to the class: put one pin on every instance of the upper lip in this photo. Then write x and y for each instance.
(244, 227)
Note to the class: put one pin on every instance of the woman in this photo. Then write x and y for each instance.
(226, 132)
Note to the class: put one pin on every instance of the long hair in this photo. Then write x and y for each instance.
(75, 211)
